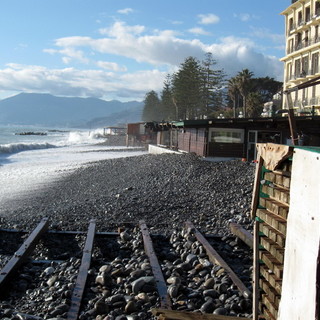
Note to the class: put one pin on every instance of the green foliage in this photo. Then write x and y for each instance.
(251, 93)
(151, 110)
(198, 90)
(194, 91)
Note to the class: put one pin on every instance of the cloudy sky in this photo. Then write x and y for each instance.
(121, 49)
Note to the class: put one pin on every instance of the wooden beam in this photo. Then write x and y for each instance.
(182, 315)
(214, 257)
(256, 186)
(256, 271)
(241, 233)
(83, 273)
(165, 301)
(22, 253)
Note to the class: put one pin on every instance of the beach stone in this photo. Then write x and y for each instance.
(220, 311)
(130, 307)
(101, 307)
(209, 283)
(207, 307)
(139, 283)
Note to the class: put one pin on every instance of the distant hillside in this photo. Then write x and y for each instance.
(49, 110)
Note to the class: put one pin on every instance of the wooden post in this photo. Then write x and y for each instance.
(292, 121)
(255, 280)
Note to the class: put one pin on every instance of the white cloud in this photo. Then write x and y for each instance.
(245, 16)
(125, 11)
(163, 50)
(199, 31)
(75, 82)
(111, 66)
(209, 18)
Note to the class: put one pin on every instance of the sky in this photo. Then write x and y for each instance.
(122, 49)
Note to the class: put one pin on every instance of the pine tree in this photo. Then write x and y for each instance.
(151, 108)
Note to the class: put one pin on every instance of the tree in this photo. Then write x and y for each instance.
(151, 108)
(234, 93)
(244, 86)
(186, 89)
(167, 106)
(213, 82)
(254, 104)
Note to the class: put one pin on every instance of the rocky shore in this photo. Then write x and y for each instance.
(164, 190)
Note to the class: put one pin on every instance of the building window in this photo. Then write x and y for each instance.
(305, 66)
(224, 135)
(297, 68)
(308, 15)
(291, 26)
(315, 63)
(317, 8)
(298, 41)
(300, 21)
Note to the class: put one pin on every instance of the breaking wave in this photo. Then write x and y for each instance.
(18, 147)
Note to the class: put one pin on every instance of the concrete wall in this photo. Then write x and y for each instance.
(159, 150)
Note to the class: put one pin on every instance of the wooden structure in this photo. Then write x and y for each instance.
(285, 208)
(235, 137)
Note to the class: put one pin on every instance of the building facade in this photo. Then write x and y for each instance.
(301, 63)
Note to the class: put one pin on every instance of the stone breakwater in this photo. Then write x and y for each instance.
(164, 190)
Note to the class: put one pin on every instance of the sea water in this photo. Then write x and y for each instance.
(29, 162)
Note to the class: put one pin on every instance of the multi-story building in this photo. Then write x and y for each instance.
(302, 20)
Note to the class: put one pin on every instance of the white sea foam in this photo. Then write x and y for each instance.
(26, 167)
(18, 147)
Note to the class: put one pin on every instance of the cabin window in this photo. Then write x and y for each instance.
(224, 135)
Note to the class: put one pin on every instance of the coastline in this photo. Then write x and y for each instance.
(164, 190)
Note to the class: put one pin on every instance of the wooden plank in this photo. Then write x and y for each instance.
(217, 259)
(82, 275)
(274, 206)
(256, 186)
(182, 315)
(256, 271)
(274, 281)
(242, 234)
(22, 253)
(156, 269)
(273, 220)
(272, 263)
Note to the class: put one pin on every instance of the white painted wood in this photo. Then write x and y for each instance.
(303, 237)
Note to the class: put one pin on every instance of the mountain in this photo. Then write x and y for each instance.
(49, 110)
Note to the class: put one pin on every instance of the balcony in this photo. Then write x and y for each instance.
(303, 44)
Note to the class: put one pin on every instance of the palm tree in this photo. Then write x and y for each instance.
(244, 86)
(233, 93)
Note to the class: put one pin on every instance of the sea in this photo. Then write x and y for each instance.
(32, 157)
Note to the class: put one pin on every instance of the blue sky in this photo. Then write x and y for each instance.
(121, 49)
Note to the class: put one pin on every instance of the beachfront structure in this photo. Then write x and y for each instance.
(301, 62)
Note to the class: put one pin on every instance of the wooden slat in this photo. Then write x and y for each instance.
(182, 315)
(156, 269)
(83, 272)
(256, 187)
(242, 234)
(217, 259)
(255, 280)
(23, 252)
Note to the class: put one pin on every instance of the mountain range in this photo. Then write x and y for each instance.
(52, 111)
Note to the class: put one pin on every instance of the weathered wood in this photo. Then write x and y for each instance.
(217, 259)
(156, 269)
(182, 315)
(256, 271)
(242, 234)
(256, 186)
(22, 253)
(83, 272)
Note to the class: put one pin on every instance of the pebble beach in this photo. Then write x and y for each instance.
(164, 190)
